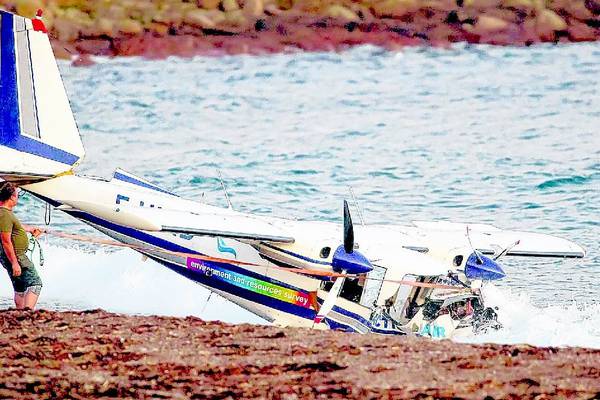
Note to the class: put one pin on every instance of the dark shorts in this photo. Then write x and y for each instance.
(29, 277)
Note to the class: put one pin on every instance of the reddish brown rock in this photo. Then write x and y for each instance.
(580, 32)
(147, 28)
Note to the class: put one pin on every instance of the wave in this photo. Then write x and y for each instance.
(571, 180)
(572, 324)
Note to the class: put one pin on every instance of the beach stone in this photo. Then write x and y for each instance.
(114, 12)
(578, 10)
(230, 5)
(28, 8)
(78, 16)
(130, 26)
(488, 24)
(395, 8)
(523, 5)
(217, 16)
(308, 6)
(341, 12)
(539, 5)
(254, 8)
(236, 18)
(482, 4)
(65, 29)
(104, 26)
(439, 5)
(81, 4)
(158, 28)
(209, 4)
(271, 7)
(547, 23)
(199, 19)
(503, 14)
(580, 32)
(169, 16)
(285, 4)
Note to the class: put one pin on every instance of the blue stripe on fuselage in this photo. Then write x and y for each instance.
(216, 284)
(299, 256)
(245, 294)
(170, 246)
(126, 178)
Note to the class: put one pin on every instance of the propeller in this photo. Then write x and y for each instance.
(346, 260)
(480, 267)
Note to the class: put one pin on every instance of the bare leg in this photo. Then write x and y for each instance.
(19, 300)
(31, 299)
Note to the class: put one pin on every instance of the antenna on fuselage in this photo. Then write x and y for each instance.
(359, 212)
(229, 205)
(479, 260)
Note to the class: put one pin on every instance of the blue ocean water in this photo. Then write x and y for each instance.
(498, 135)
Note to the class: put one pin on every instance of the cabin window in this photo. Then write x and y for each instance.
(352, 289)
(325, 251)
(458, 260)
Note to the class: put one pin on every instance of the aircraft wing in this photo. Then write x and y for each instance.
(228, 224)
(491, 240)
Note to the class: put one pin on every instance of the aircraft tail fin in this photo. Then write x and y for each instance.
(39, 138)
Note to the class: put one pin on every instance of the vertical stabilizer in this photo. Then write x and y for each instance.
(38, 134)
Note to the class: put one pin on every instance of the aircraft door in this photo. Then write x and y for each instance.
(401, 300)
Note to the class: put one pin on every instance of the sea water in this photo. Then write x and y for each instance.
(499, 135)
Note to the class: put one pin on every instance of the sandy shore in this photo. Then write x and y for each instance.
(95, 354)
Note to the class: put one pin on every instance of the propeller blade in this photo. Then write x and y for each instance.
(329, 302)
(348, 230)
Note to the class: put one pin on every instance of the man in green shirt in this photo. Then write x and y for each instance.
(14, 242)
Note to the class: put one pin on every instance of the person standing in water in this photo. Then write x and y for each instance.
(23, 275)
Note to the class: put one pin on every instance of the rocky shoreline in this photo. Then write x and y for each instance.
(95, 354)
(160, 28)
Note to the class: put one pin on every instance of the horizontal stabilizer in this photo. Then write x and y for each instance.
(38, 134)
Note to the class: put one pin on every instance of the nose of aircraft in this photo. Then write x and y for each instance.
(353, 262)
(481, 267)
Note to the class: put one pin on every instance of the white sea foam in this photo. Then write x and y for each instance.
(122, 282)
(571, 324)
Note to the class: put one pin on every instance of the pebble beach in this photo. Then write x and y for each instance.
(96, 354)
